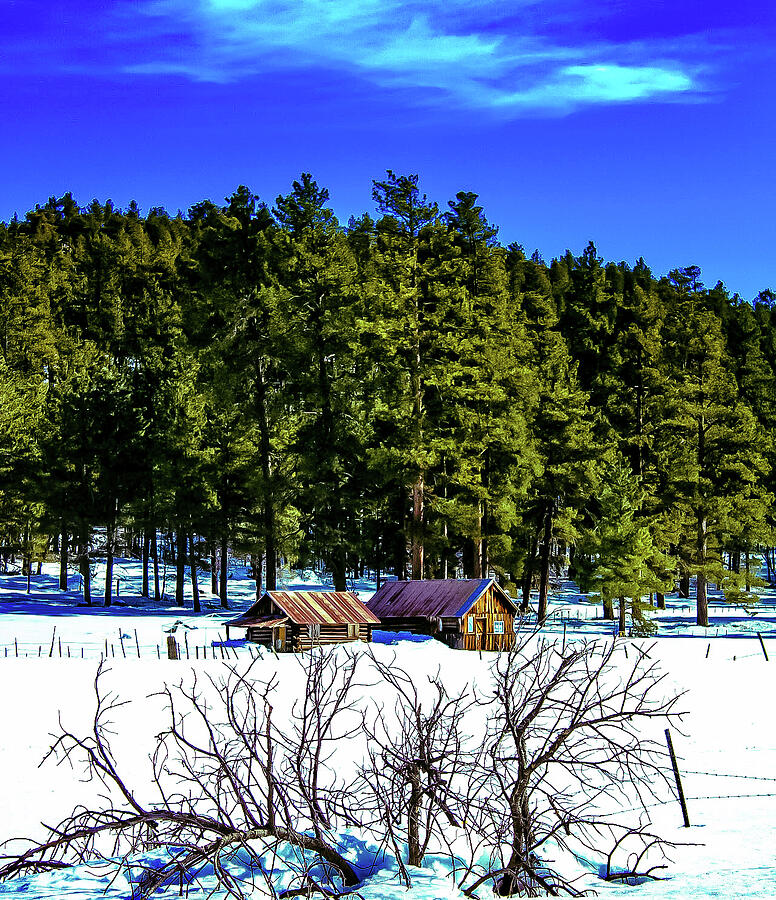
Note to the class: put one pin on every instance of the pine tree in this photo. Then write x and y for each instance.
(404, 335)
(318, 273)
(565, 438)
(710, 438)
(486, 393)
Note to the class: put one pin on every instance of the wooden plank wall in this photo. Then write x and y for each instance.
(486, 611)
(330, 634)
(298, 636)
(262, 636)
(412, 625)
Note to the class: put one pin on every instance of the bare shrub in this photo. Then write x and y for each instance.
(568, 762)
(420, 761)
(225, 776)
(555, 754)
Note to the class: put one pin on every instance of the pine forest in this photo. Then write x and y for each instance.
(403, 394)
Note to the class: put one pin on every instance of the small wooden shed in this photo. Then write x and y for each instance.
(299, 620)
(467, 614)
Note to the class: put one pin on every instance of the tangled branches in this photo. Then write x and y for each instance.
(555, 752)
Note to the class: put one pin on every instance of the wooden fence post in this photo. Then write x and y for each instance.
(679, 789)
(760, 637)
(172, 647)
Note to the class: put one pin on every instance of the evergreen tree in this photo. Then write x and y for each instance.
(318, 273)
(711, 438)
(406, 335)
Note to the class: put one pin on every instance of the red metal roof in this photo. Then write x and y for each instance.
(312, 608)
(436, 598)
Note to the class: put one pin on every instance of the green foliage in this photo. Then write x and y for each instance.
(402, 392)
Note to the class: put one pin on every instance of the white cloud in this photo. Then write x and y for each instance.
(459, 50)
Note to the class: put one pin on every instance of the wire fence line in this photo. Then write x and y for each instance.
(727, 797)
(128, 648)
(729, 775)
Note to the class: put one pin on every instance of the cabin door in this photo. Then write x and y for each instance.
(280, 637)
(479, 630)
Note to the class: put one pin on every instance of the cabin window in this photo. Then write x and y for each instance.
(470, 624)
(315, 632)
(352, 631)
(498, 627)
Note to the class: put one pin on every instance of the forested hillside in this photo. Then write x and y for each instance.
(402, 393)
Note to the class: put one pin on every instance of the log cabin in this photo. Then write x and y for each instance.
(298, 620)
(466, 614)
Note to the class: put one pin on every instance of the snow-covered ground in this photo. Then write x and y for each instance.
(727, 749)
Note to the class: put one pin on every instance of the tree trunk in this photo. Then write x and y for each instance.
(180, 567)
(155, 557)
(621, 627)
(417, 528)
(26, 561)
(544, 564)
(484, 518)
(661, 600)
(256, 566)
(268, 499)
(684, 586)
(476, 564)
(521, 842)
(63, 561)
(194, 580)
(144, 592)
(528, 572)
(111, 532)
(414, 853)
(83, 566)
(748, 572)
(378, 562)
(223, 590)
(702, 606)
(397, 540)
(608, 609)
(468, 557)
(338, 569)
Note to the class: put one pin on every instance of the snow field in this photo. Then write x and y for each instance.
(728, 731)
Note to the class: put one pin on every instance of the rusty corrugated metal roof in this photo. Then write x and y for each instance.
(246, 620)
(436, 598)
(314, 608)
(323, 607)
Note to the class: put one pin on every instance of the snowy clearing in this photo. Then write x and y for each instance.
(727, 749)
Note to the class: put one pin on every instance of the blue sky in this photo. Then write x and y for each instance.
(647, 127)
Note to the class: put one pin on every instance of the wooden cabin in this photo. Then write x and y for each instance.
(466, 614)
(298, 620)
